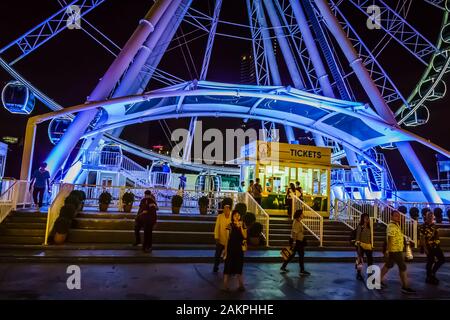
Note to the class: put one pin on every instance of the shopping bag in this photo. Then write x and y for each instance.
(286, 253)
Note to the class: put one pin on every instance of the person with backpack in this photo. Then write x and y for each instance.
(257, 191)
(298, 243)
(363, 243)
(394, 252)
(146, 219)
(429, 244)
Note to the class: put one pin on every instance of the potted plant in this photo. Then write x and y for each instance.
(242, 208)
(81, 195)
(62, 226)
(74, 201)
(249, 219)
(127, 201)
(227, 202)
(414, 213)
(104, 201)
(254, 234)
(68, 211)
(438, 214)
(203, 203)
(177, 202)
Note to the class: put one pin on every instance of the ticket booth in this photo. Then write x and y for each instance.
(279, 164)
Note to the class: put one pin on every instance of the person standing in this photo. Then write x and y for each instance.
(39, 180)
(289, 192)
(221, 234)
(298, 243)
(234, 253)
(429, 243)
(394, 252)
(146, 219)
(257, 191)
(182, 184)
(298, 190)
(250, 187)
(363, 244)
(241, 187)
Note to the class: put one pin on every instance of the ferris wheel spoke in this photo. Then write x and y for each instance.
(39, 35)
(299, 46)
(437, 3)
(380, 77)
(399, 29)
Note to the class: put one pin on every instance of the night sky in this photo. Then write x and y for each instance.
(68, 67)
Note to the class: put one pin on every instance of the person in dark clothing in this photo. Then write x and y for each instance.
(234, 259)
(289, 192)
(40, 179)
(146, 219)
(298, 243)
(363, 243)
(299, 190)
(257, 191)
(429, 243)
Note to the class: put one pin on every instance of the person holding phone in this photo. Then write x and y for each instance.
(234, 259)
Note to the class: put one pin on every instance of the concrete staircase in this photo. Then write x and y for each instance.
(114, 230)
(335, 235)
(23, 227)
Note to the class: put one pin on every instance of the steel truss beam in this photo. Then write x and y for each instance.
(399, 29)
(259, 56)
(387, 87)
(284, 7)
(39, 35)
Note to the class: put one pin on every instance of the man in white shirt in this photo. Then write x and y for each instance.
(221, 234)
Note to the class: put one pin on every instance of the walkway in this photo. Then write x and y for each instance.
(330, 281)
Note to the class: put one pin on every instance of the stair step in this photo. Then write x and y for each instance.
(128, 224)
(20, 219)
(127, 236)
(21, 240)
(22, 232)
(24, 225)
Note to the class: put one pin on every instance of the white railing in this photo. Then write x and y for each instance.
(382, 212)
(7, 199)
(160, 179)
(420, 206)
(348, 177)
(55, 207)
(103, 159)
(261, 215)
(346, 213)
(312, 220)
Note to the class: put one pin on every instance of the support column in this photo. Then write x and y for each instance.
(284, 45)
(320, 70)
(81, 122)
(268, 47)
(28, 150)
(377, 100)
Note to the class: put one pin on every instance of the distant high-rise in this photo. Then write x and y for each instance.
(248, 74)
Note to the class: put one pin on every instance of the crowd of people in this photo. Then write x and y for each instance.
(230, 234)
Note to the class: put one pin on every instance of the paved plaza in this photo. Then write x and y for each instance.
(187, 281)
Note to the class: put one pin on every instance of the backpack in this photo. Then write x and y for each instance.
(352, 238)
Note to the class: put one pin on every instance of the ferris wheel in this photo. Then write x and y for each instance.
(313, 38)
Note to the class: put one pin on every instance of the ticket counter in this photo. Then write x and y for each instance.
(279, 164)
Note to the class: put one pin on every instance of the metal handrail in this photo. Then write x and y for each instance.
(55, 207)
(14, 182)
(261, 215)
(382, 212)
(313, 221)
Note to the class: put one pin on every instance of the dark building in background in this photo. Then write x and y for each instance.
(248, 74)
